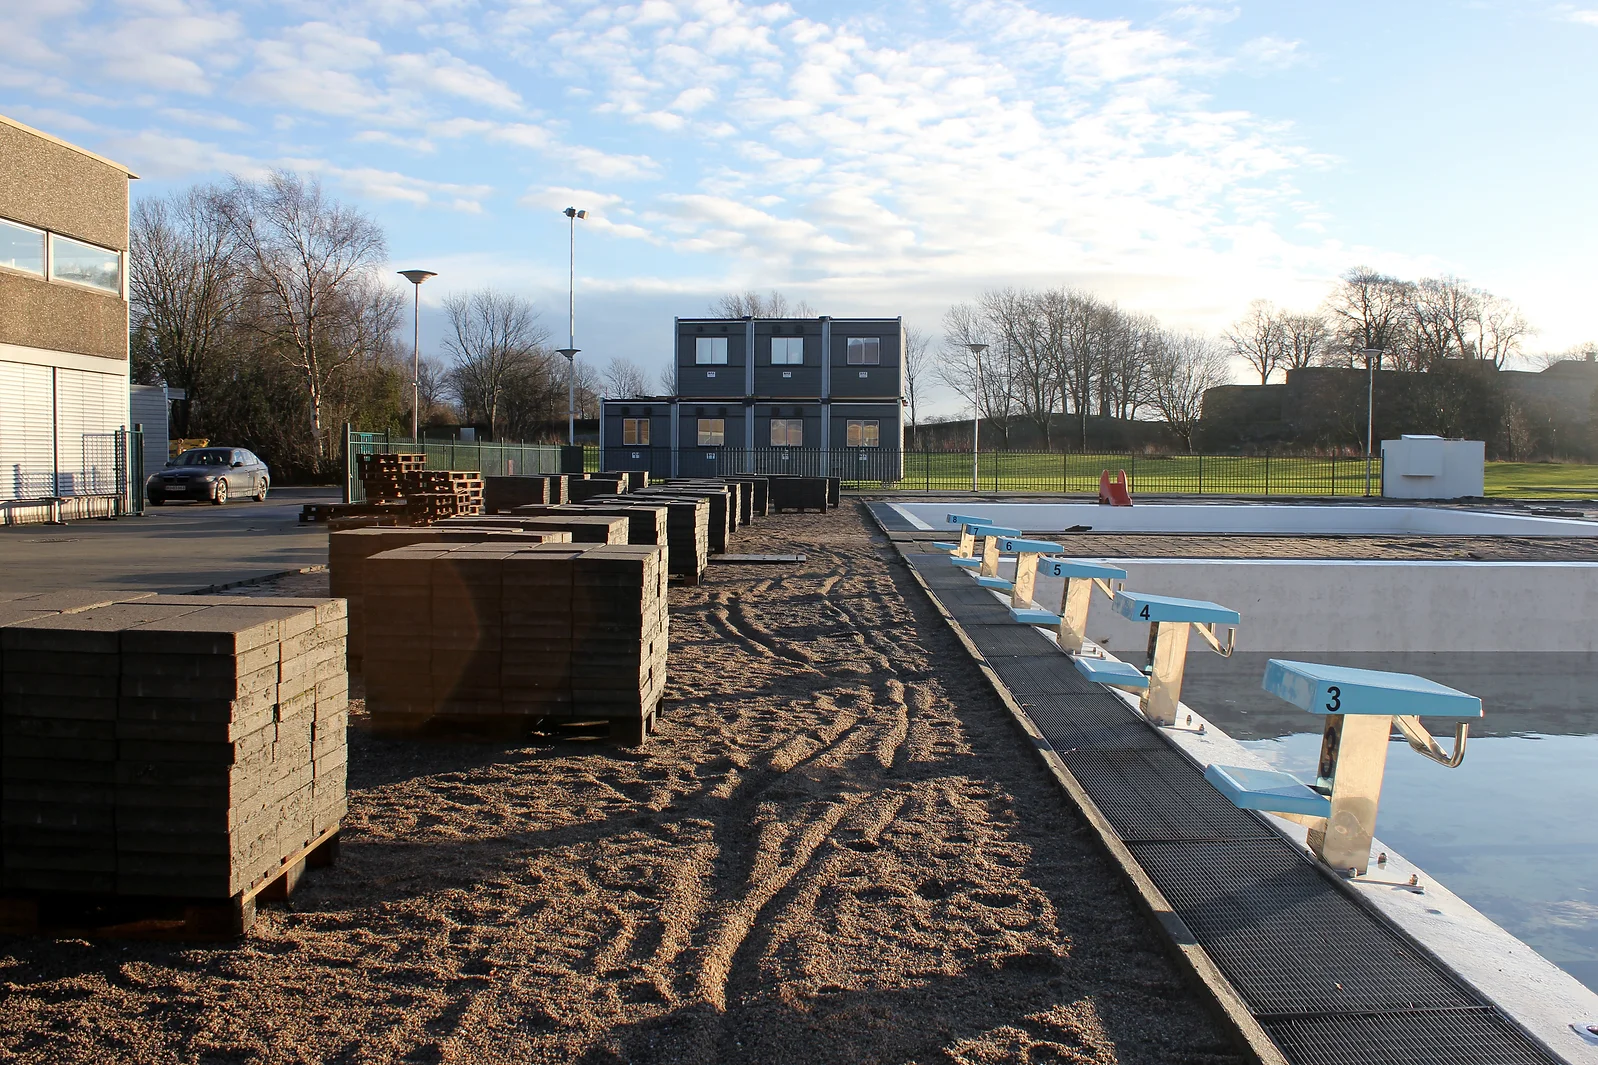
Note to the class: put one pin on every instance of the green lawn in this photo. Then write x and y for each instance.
(1542, 480)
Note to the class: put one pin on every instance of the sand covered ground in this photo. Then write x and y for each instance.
(837, 849)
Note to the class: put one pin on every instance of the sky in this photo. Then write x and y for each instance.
(870, 158)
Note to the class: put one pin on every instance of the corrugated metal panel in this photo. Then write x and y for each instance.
(26, 428)
(88, 405)
(149, 408)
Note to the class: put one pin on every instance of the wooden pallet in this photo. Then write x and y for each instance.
(132, 917)
(177, 919)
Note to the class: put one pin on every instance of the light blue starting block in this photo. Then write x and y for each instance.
(964, 545)
(1075, 596)
(1170, 620)
(988, 562)
(1109, 671)
(1360, 706)
(1027, 553)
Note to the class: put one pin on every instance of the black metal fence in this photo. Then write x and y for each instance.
(1015, 471)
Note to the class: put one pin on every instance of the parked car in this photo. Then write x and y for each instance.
(216, 474)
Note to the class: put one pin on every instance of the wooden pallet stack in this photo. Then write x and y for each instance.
(386, 477)
(432, 495)
(348, 550)
(194, 752)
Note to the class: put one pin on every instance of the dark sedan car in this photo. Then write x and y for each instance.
(214, 474)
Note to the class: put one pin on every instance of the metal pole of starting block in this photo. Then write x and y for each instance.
(1167, 660)
(1353, 760)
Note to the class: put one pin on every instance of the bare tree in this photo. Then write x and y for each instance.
(625, 379)
(303, 251)
(1370, 311)
(985, 381)
(433, 383)
(184, 286)
(1258, 339)
(1500, 330)
(668, 378)
(1186, 366)
(495, 338)
(1305, 336)
(918, 364)
(752, 304)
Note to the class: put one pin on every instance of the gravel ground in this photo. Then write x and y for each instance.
(838, 848)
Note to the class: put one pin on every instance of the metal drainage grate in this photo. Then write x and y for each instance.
(1046, 675)
(891, 519)
(1011, 641)
(1289, 939)
(1146, 798)
(1467, 1037)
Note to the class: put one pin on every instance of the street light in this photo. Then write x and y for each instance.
(1372, 356)
(976, 410)
(416, 277)
(571, 349)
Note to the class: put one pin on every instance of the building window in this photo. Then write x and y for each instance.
(787, 351)
(710, 351)
(22, 248)
(635, 431)
(713, 431)
(787, 432)
(861, 432)
(85, 264)
(865, 351)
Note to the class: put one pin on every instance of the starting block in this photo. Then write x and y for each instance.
(1170, 621)
(1361, 706)
(964, 546)
(1080, 579)
(1108, 671)
(988, 563)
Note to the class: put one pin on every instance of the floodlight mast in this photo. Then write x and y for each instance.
(570, 350)
(976, 412)
(416, 277)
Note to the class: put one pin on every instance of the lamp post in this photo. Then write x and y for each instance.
(1372, 355)
(571, 349)
(976, 412)
(416, 277)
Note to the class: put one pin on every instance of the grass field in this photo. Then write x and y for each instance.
(1216, 475)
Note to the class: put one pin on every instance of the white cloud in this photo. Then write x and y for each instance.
(1270, 53)
(1584, 16)
(439, 71)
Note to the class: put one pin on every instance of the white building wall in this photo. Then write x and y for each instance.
(56, 419)
(27, 431)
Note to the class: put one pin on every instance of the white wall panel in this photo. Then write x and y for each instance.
(26, 431)
(89, 406)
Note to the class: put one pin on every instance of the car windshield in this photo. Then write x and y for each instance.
(204, 457)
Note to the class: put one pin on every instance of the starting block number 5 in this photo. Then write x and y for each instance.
(1051, 568)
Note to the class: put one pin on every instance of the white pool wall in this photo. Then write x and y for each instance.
(1291, 605)
(1352, 519)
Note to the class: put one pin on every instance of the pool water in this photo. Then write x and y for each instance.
(1513, 830)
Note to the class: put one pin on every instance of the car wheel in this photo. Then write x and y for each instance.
(221, 493)
(260, 490)
(158, 501)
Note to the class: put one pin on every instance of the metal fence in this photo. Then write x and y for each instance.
(491, 459)
(1016, 471)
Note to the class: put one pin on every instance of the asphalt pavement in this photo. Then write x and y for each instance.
(177, 547)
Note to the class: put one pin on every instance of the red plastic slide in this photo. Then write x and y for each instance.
(1116, 493)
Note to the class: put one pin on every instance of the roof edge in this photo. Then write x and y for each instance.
(53, 139)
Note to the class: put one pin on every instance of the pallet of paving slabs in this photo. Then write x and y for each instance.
(503, 494)
(464, 637)
(646, 522)
(633, 479)
(398, 592)
(793, 492)
(687, 531)
(347, 551)
(584, 528)
(619, 633)
(718, 501)
(536, 645)
(58, 747)
(734, 491)
(595, 485)
(755, 501)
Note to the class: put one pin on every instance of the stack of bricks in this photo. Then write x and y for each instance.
(485, 631)
(170, 746)
(584, 528)
(619, 633)
(646, 521)
(596, 484)
(348, 550)
(386, 477)
(502, 494)
(719, 528)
